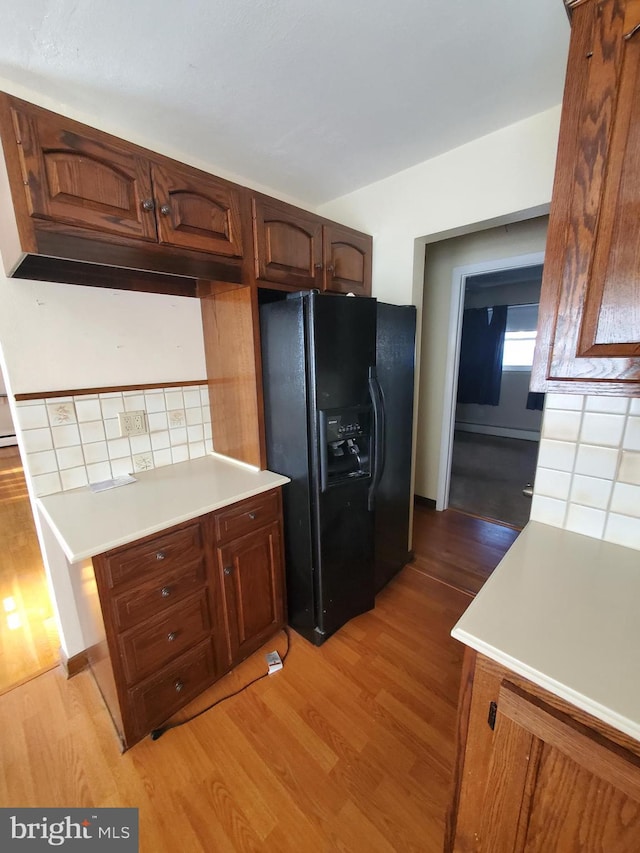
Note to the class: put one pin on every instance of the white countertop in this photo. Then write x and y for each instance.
(86, 523)
(563, 610)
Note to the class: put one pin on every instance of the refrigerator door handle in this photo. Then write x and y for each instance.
(378, 435)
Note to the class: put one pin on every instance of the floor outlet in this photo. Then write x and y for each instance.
(274, 662)
(132, 423)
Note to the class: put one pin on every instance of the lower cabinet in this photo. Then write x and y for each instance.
(181, 608)
(535, 773)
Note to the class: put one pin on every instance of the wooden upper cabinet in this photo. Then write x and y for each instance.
(76, 177)
(196, 211)
(288, 244)
(347, 260)
(589, 329)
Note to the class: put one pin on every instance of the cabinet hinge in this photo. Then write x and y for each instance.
(491, 719)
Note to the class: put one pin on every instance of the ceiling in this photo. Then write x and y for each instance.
(309, 98)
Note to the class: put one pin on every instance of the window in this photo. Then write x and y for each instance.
(520, 337)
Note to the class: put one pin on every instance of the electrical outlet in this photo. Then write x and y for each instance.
(132, 423)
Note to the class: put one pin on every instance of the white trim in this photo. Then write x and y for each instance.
(503, 432)
(458, 284)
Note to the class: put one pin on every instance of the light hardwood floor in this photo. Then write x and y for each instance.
(28, 636)
(349, 748)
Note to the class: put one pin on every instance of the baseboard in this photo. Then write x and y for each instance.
(425, 502)
(75, 664)
(502, 432)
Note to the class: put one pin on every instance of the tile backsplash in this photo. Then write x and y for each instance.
(72, 441)
(588, 475)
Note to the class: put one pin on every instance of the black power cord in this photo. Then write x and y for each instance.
(154, 734)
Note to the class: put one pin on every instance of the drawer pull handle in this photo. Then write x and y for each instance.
(160, 555)
(171, 636)
(178, 685)
(165, 592)
(252, 516)
(228, 569)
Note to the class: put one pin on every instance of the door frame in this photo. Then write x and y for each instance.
(459, 278)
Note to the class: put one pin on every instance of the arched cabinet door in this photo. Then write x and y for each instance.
(288, 244)
(79, 177)
(197, 211)
(347, 260)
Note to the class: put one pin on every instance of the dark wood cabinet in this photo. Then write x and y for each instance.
(303, 251)
(589, 327)
(535, 773)
(178, 609)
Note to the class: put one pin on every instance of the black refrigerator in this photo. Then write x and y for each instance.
(338, 398)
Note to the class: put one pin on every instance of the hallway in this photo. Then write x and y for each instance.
(28, 635)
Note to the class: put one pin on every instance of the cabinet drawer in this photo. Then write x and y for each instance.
(155, 595)
(161, 553)
(160, 696)
(246, 516)
(145, 650)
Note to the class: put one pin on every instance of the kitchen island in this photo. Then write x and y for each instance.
(549, 713)
(176, 577)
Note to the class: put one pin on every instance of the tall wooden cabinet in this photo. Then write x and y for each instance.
(536, 774)
(589, 327)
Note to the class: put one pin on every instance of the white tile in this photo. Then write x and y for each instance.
(590, 491)
(204, 396)
(548, 510)
(157, 421)
(623, 530)
(118, 448)
(208, 445)
(88, 410)
(122, 466)
(561, 425)
(33, 417)
(180, 453)
(162, 457)
(206, 414)
(47, 484)
(553, 484)
(92, 431)
(111, 405)
(42, 463)
(140, 443)
(176, 418)
(194, 416)
(196, 449)
(596, 461)
(134, 403)
(143, 462)
(556, 454)
(112, 428)
(65, 436)
(154, 403)
(602, 429)
(174, 400)
(69, 457)
(178, 436)
(612, 405)
(191, 398)
(160, 440)
(630, 467)
(74, 478)
(586, 520)
(634, 406)
(626, 499)
(564, 401)
(61, 413)
(195, 433)
(207, 430)
(632, 434)
(98, 472)
(95, 452)
(37, 439)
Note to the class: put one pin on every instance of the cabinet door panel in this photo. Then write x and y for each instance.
(197, 211)
(252, 575)
(347, 261)
(76, 178)
(288, 245)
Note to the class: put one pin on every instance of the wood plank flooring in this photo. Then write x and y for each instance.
(29, 640)
(348, 748)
